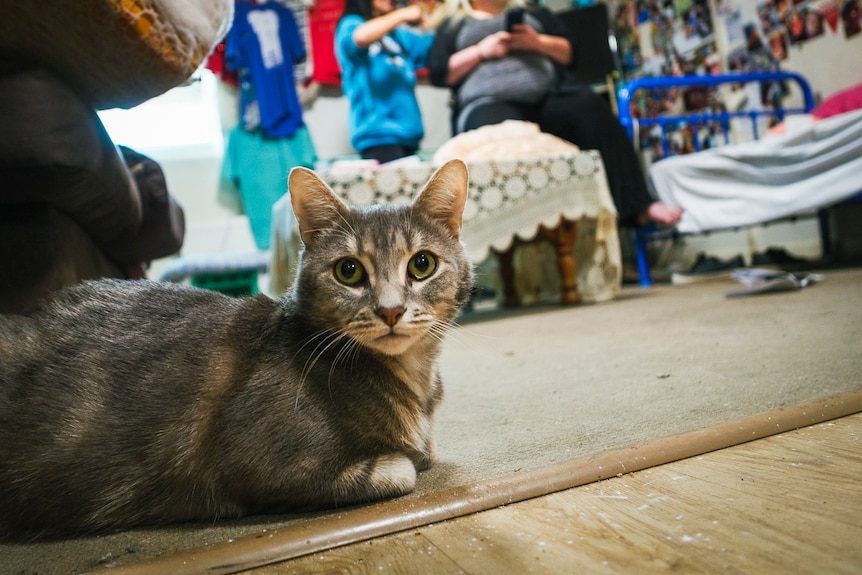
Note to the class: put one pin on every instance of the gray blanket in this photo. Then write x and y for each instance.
(805, 169)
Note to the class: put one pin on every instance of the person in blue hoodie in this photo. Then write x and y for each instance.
(380, 48)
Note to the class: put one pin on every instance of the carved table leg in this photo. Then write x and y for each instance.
(507, 274)
(563, 238)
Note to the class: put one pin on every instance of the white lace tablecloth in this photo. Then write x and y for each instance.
(508, 199)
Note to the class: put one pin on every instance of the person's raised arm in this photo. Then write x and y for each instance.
(373, 30)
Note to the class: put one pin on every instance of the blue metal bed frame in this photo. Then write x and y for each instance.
(633, 125)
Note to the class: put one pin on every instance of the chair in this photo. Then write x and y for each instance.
(597, 59)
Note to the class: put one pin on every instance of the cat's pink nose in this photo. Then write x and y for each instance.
(390, 315)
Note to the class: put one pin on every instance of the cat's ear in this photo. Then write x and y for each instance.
(445, 194)
(315, 205)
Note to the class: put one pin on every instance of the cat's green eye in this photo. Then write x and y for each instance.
(422, 265)
(349, 271)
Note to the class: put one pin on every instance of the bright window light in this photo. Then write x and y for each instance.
(182, 121)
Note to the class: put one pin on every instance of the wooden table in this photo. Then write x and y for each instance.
(564, 199)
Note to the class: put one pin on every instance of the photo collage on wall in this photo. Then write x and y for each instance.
(786, 23)
(758, 54)
(781, 24)
(663, 37)
(675, 38)
(669, 38)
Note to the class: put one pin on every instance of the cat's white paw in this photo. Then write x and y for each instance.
(393, 475)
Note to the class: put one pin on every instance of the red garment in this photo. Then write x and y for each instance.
(322, 19)
(216, 64)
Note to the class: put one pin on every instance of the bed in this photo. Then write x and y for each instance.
(813, 164)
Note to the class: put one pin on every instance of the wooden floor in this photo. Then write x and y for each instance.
(791, 503)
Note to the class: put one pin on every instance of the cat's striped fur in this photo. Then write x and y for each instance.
(128, 403)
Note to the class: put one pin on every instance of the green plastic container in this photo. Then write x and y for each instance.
(236, 284)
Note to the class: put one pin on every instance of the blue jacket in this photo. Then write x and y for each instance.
(380, 84)
(264, 39)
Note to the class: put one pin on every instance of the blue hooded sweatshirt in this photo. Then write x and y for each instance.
(380, 84)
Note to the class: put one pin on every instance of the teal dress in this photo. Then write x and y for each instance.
(256, 168)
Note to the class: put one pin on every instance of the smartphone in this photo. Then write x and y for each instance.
(514, 16)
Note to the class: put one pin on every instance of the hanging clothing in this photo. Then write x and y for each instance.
(380, 84)
(258, 167)
(322, 20)
(217, 65)
(265, 44)
(299, 9)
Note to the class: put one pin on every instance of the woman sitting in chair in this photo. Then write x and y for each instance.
(507, 62)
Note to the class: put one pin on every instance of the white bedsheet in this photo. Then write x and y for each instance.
(808, 168)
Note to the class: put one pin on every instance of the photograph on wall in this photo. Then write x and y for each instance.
(795, 26)
(778, 44)
(851, 16)
(813, 20)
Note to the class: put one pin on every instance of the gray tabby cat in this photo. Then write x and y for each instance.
(127, 403)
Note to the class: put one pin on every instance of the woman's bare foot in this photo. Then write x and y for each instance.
(659, 213)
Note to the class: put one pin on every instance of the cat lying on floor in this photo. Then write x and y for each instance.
(129, 403)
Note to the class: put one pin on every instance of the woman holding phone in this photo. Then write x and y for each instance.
(504, 61)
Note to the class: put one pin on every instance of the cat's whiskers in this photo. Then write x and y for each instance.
(465, 330)
(337, 338)
(330, 338)
(312, 337)
(440, 327)
(349, 226)
(457, 333)
(332, 230)
(339, 231)
(347, 353)
(367, 336)
(440, 330)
